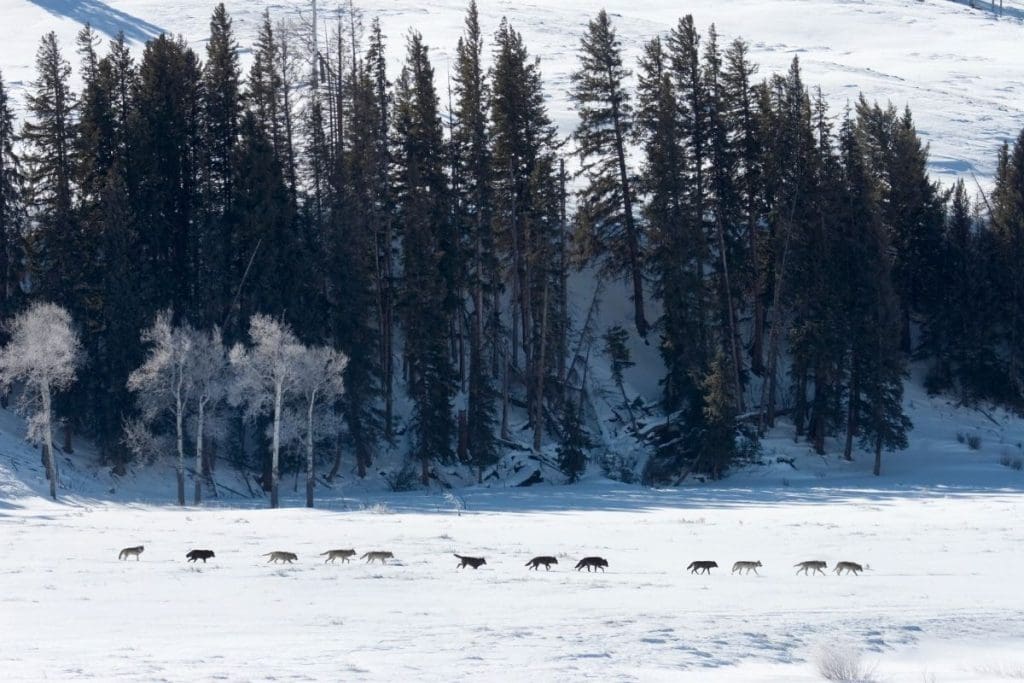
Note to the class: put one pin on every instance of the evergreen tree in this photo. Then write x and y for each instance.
(1008, 233)
(12, 215)
(165, 153)
(220, 260)
(572, 451)
(421, 190)
(49, 135)
(877, 366)
(474, 200)
(911, 205)
(607, 210)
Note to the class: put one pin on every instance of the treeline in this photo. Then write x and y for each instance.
(798, 260)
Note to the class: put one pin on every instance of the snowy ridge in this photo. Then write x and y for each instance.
(956, 67)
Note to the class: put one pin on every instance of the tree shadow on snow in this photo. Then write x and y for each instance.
(101, 17)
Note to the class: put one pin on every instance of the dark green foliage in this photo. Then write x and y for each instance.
(423, 215)
(575, 443)
(607, 219)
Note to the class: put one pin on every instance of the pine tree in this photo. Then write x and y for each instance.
(1008, 232)
(877, 366)
(424, 219)
(165, 151)
(526, 218)
(743, 119)
(673, 240)
(12, 217)
(49, 135)
(219, 260)
(607, 212)
(474, 199)
(911, 206)
(718, 419)
(572, 451)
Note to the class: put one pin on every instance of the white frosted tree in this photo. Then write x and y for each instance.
(210, 376)
(265, 378)
(44, 353)
(319, 384)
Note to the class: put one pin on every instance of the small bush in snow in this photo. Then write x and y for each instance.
(406, 479)
(379, 508)
(961, 437)
(843, 665)
(974, 442)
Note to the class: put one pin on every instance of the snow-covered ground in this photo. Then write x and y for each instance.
(941, 531)
(958, 68)
(942, 596)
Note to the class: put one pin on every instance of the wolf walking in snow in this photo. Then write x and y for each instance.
(595, 562)
(332, 555)
(473, 562)
(850, 567)
(545, 560)
(128, 552)
(203, 555)
(281, 556)
(379, 555)
(746, 567)
(813, 566)
(702, 566)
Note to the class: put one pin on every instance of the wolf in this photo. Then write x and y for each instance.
(545, 560)
(380, 555)
(813, 566)
(595, 562)
(128, 552)
(473, 562)
(203, 555)
(746, 567)
(332, 555)
(281, 556)
(850, 567)
(702, 566)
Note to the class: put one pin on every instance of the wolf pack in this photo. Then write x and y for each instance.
(590, 563)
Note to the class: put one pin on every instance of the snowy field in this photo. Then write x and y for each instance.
(942, 600)
(942, 532)
(958, 69)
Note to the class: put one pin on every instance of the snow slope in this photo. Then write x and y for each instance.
(958, 68)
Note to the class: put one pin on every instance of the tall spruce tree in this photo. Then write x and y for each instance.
(421, 196)
(474, 202)
(49, 134)
(607, 212)
(12, 216)
(220, 260)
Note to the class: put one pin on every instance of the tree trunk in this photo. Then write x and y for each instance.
(275, 445)
(310, 478)
(180, 433)
(734, 342)
(69, 428)
(504, 402)
(199, 453)
(51, 462)
(851, 415)
(632, 238)
(878, 457)
(538, 398)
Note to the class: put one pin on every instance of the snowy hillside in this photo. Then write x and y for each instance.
(959, 69)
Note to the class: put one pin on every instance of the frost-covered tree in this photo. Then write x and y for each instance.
(210, 377)
(44, 352)
(319, 383)
(266, 376)
(165, 382)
